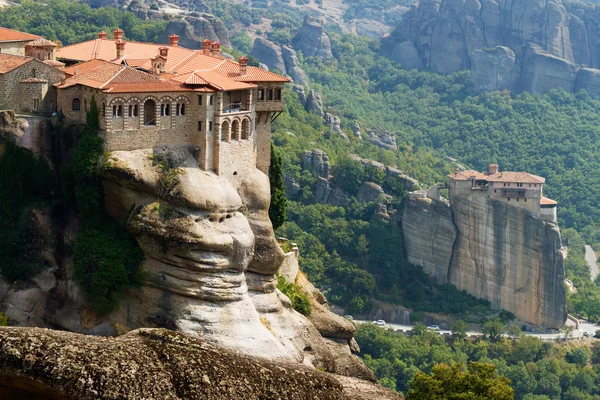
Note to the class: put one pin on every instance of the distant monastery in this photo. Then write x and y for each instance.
(149, 95)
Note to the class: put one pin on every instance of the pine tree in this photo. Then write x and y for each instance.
(278, 204)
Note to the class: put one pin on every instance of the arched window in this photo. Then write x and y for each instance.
(114, 111)
(120, 111)
(245, 129)
(162, 110)
(182, 111)
(167, 109)
(235, 130)
(104, 109)
(76, 104)
(224, 131)
(33, 73)
(150, 112)
(177, 109)
(135, 110)
(130, 114)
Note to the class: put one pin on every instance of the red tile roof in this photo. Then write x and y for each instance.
(505, 176)
(41, 42)
(547, 202)
(9, 62)
(180, 62)
(10, 35)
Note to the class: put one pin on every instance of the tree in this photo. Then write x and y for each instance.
(480, 381)
(459, 330)
(579, 356)
(493, 329)
(277, 209)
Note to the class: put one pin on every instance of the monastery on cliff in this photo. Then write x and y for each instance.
(519, 189)
(149, 95)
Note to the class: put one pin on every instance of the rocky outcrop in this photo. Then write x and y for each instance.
(194, 28)
(589, 80)
(409, 183)
(381, 138)
(317, 161)
(334, 123)
(447, 36)
(269, 54)
(492, 250)
(155, 363)
(495, 69)
(312, 40)
(370, 192)
(314, 103)
(292, 66)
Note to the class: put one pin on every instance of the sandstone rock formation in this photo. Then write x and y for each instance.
(369, 192)
(314, 103)
(311, 40)
(492, 250)
(588, 79)
(269, 54)
(194, 27)
(447, 36)
(39, 364)
(316, 160)
(292, 66)
(381, 138)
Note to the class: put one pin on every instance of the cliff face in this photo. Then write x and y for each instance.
(442, 35)
(492, 250)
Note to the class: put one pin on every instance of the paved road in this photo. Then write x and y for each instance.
(591, 259)
(576, 334)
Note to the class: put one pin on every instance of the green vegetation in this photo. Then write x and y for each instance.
(73, 22)
(297, 295)
(26, 181)
(537, 370)
(277, 208)
(479, 381)
(3, 320)
(107, 259)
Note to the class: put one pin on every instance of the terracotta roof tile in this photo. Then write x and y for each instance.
(519, 177)
(547, 202)
(84, 67)
(54, 63)
(10, 35)
(466, 175)
(9, 62)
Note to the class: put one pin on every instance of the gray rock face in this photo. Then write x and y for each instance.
(543, 72)
(443, 36)
(492, 250)
(495, 69)
(588, 79)
(318, 161)
(269, 53)
(370, 192)
(292, 67)
(194, 28)
(311, 40)
(314, 103)
(322, 190)
(333, 121)
(299, 90)
(384, 139)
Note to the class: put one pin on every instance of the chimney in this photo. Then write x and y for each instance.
(173, 40)
(102, 35)
(120, 48)
(163, 51)
(118, 34)
(206, 46)
(216, 48)
(493, 169)
(243, 65)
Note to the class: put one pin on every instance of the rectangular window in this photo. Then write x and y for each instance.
(261, 94)
(212, 100)
(199, 99)
(36, 104)
(210, 126)
(277, 94)
(269, 94)
(199, 126)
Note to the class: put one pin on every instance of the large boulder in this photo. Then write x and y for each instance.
(495, 69)
(155, 363)
(317, 161)
(311, 39)
(588, 79)
(269, 54)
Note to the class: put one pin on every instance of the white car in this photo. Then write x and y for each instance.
(433, 327)
(379, 322)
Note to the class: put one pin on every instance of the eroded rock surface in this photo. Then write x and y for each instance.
(194, 28)
(311, 39)
(492, 250)
(448, 36)
(155, 364)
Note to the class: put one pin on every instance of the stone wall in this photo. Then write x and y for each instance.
(15, 48)
(20, 95)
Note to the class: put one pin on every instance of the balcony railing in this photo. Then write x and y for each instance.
(234, 108)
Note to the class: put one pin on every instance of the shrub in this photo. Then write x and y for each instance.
(297, 295)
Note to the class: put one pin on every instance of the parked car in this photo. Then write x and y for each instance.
(433, 327)
(349, 317)
(379, 322)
